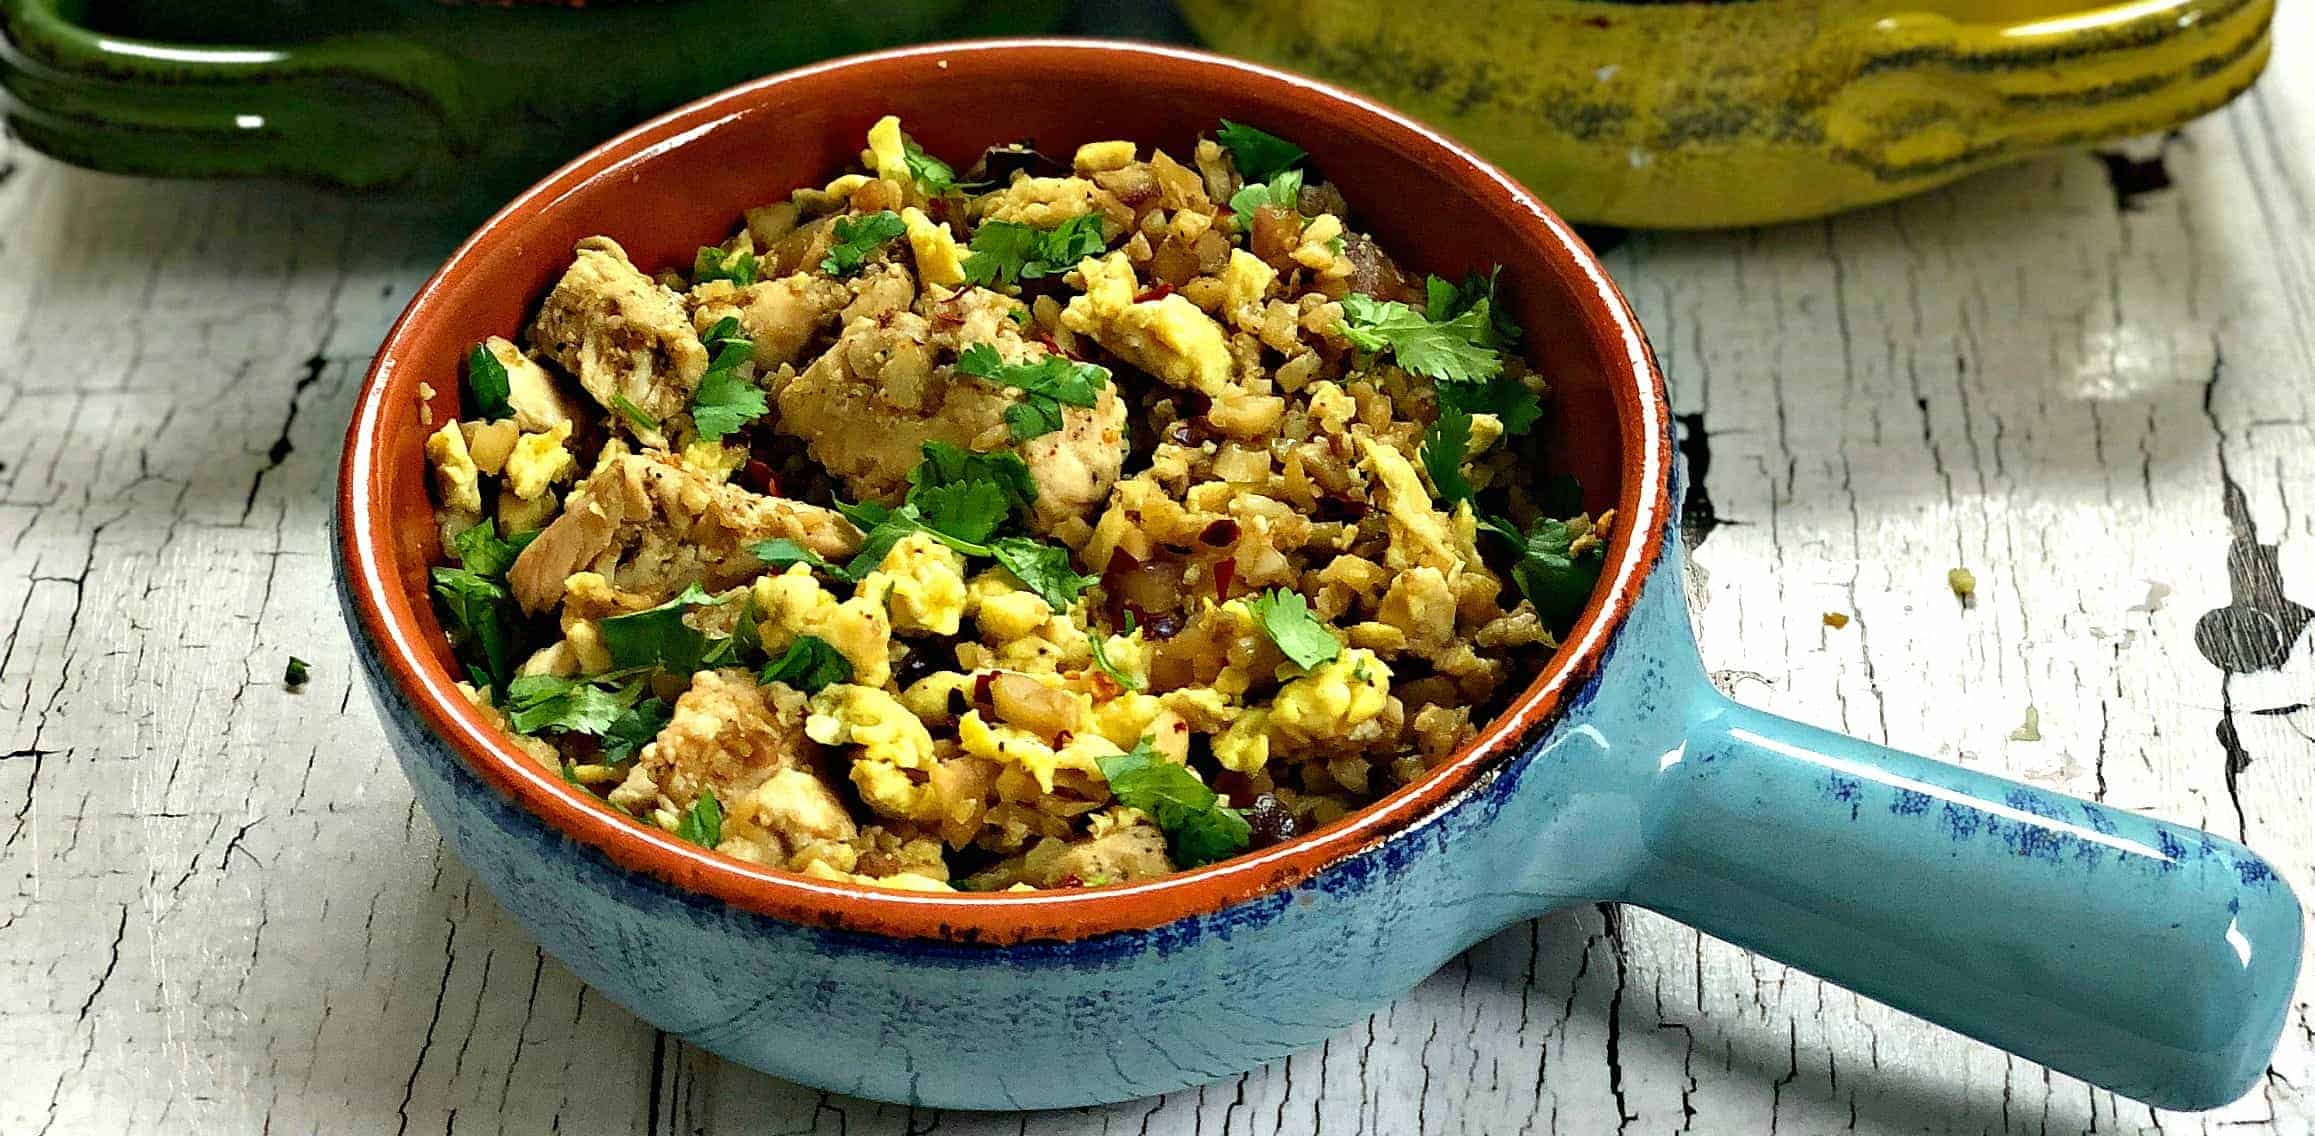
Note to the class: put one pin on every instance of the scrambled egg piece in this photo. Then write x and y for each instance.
(538, 461)
(887, 152)
(713, 460)
(1246, 281)
(1420, 534)
(1326, 705)
(921, 583)
(938, 259)
(456, 478)
(1101, 157)
(793, 604)
(1007, 745)
(1041, 203)
(893, 743)
(1169, 337)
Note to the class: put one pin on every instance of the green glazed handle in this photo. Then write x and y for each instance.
(464, 102)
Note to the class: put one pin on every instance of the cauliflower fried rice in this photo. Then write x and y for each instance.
(1041, 523)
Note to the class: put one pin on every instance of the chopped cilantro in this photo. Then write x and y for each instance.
(933, 176)
(539, 703)
(714, 263)
(660, 636)
(294, 675)
(1199, 828)
(637, 420)
(808, 664)
(966, 495)
(1556, 580)
(1504, 397)
(1284, 192)
(1444, 301)
(856, 237)
(1049, 383)
(1455, 351)
(486, 384)
(482, 618)
(726, 398)
(1259, 154)
(479, 550)
(1009, 252)
(780, 552)
(633, 729)
(1100, 645)
(1445, 446)
(702, 823)
(1286, 617)
(1044, 568)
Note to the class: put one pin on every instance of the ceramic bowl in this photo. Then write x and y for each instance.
(2135, 954)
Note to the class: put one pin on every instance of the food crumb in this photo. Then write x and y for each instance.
(2031, 731)
(294, 675)
(1836, 620)
(1962, 581)
(2156, 592)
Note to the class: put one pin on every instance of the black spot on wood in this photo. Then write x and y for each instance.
(1603, 239)
(1698, 517)
(2256, 629)
(2134, 178)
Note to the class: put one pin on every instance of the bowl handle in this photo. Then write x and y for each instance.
(2141, 956)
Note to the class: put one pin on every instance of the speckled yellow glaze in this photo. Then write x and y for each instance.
(1734, 112)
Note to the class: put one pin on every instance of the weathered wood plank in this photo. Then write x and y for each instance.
(222, 913)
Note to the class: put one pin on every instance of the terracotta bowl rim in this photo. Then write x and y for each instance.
(391, 627)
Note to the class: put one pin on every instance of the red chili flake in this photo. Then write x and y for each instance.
(757, 475)
(981, 687)
(1221, 534)
(1157, 291)
(1225, 570)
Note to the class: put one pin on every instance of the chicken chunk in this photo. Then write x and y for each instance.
(746, 744)
(539, 401)
(867, 407)
(623, 334)
(652, 526)
(1133, 852)
(780, 317)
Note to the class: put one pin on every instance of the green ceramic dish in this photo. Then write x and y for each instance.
(459, 101)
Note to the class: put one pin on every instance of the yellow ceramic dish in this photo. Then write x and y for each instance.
(1738, 112)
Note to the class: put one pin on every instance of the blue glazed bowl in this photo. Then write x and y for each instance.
(2142, 956)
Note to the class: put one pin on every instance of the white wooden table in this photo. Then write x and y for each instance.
(222, 912)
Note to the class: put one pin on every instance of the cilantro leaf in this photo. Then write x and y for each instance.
(1502, 396)
(1283, 191)
(295, 674)
(1452, 352)
(725, 401)
(702, 823)
(660, 637)
(856, 237)
(637, 420)
(933, 176)
(479, 550)
(1049, 383)
(635, 728)
(1199, 828)
(780, 552)
(714, 263)
(965, 495)
(487, 387)
(1100, 645)
(1557, 580)
(1259, 154)
(1009, 252)
(1444, 301)
(1444, 446)
(483, 621)
(1044, 568)
(808, 664)
(1286, 617)
(537, 703)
